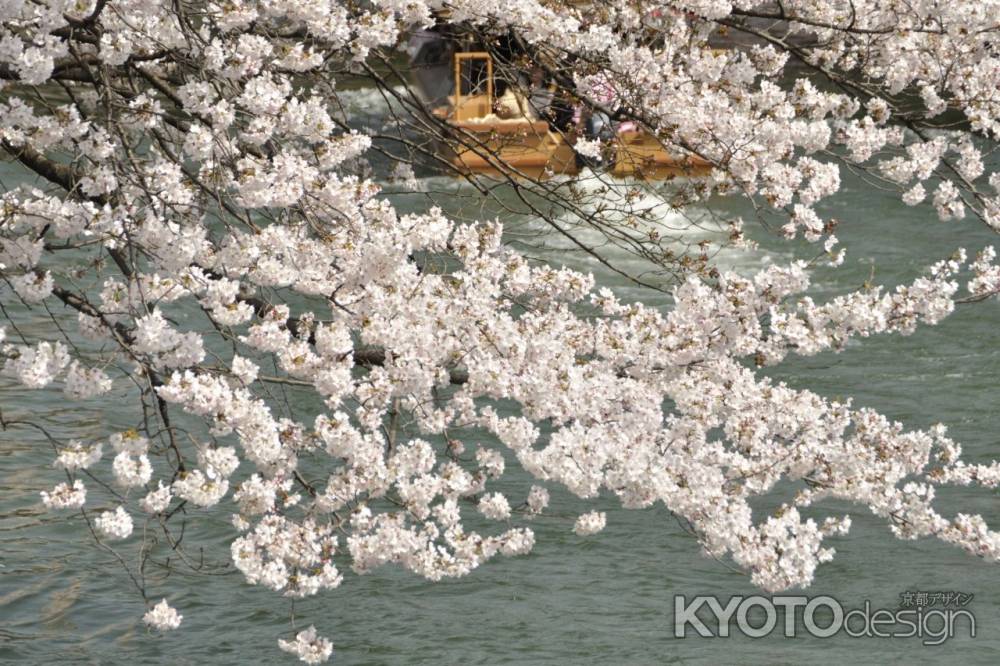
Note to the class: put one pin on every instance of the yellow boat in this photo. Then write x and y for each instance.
(483, 142)
(517, 142)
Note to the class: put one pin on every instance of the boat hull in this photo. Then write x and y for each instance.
(641, 155)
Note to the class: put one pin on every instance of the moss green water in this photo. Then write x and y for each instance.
(606, 599)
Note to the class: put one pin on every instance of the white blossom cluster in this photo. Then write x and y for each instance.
(296, 559)
(66, 496)
(308, 646)
(590, 523)
(115, 524)
(162, 617)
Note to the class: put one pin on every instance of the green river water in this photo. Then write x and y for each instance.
(607, 599)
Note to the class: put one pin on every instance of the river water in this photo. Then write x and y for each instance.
(606, 599)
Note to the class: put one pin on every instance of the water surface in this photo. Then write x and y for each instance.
(597, 600)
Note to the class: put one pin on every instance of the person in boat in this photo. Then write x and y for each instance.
(531, 97)
(540, 95)
(550, 102)
(513, 105)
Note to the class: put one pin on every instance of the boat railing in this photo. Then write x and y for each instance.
(473, 105)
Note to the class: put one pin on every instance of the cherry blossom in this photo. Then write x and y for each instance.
(590, 523)
(162, 617)
(65, 496)
(308, 646)
(115, 524)
(78, 455)
(157, 501)
(212, 235)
